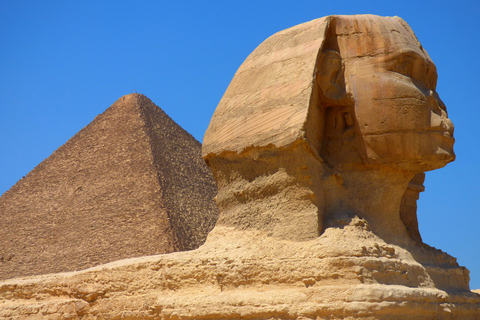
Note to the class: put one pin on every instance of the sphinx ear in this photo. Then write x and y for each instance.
(331, 77)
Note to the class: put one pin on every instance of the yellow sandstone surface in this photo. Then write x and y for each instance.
(347, 273)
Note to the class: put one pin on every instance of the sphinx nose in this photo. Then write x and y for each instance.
(439, 118)
(436, 104)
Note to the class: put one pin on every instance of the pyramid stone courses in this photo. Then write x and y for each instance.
(131, 183)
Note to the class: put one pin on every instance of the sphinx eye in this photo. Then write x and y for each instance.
(409, 64)
(403, 64)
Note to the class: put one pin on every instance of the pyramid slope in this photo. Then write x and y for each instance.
(187, 183)
(104, 195)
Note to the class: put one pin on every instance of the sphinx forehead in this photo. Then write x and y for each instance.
(369, 35)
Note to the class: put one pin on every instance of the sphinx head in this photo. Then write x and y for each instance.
(332, 116)
(377, 85)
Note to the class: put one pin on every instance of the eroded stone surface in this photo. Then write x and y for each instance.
(346, 273)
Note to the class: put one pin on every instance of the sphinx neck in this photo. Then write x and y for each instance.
(374, 194)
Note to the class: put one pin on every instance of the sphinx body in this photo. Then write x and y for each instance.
(317, 146)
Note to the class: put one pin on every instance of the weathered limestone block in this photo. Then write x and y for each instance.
(131, 183)
(318, 149)
(346, 273)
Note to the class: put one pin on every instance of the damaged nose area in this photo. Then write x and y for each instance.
(439, 120)
(436, 104)
(441, 124)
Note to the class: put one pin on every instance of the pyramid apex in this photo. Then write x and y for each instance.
(132, 97)
(132, 100)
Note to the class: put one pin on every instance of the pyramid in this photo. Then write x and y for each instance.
(131, 183)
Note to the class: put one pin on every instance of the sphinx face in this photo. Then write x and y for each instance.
(401, 120)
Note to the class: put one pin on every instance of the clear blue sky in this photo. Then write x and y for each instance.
(64, 62)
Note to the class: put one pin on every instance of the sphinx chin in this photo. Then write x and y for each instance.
(442, 156)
